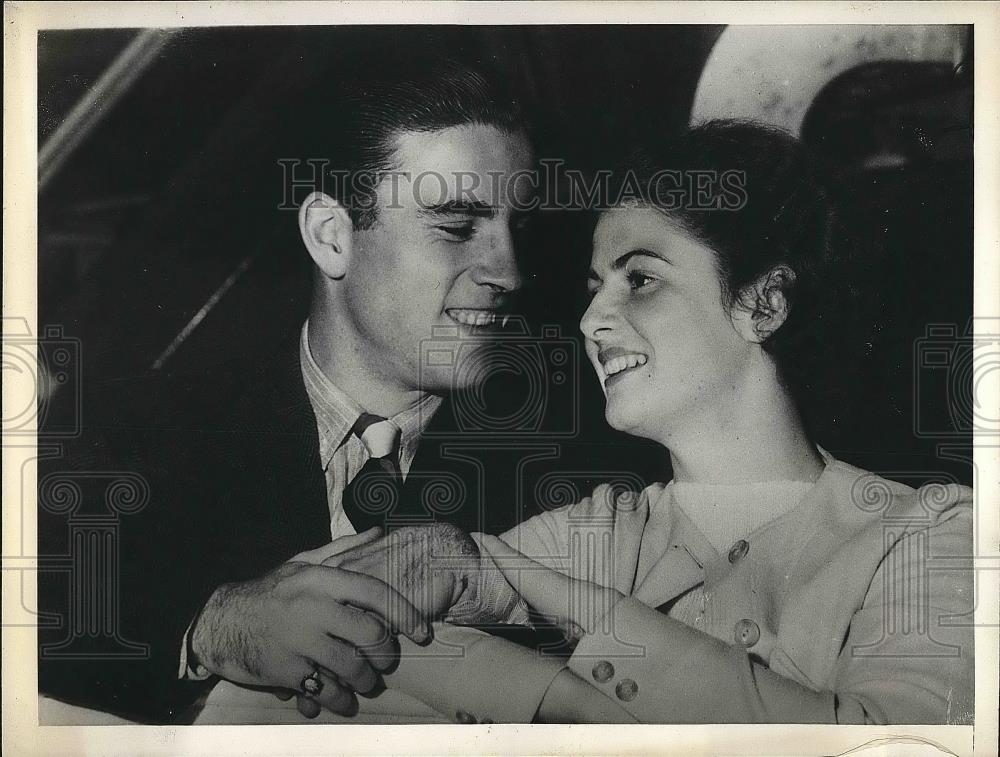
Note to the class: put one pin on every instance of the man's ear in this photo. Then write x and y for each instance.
(327, 233)
(762, 307)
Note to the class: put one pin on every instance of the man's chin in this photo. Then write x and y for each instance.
(471, 369)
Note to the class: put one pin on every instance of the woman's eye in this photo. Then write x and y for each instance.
(637, 280)
(461, 232)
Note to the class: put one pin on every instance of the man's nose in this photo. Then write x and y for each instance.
(498, 268)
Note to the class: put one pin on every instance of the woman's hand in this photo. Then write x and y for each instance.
(429, 565)
(578, 607)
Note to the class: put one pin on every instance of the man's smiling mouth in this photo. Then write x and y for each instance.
(477, 317)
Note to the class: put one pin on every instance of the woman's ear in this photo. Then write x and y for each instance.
(763, 306)
(327, 233)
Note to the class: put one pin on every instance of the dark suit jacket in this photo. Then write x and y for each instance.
(220, 500)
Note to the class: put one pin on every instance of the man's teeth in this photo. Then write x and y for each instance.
(623, 363)
(477, 317)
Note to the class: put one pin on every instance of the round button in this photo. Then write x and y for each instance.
(626, 689)
(746, 632)
(603, 671)
(739, 551)
(464, 718)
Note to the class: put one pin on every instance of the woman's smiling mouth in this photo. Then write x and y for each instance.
(616, 362)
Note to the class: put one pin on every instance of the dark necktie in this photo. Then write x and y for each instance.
(374, 493)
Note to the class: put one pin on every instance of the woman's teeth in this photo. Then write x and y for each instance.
(477, 317)
(623, 363)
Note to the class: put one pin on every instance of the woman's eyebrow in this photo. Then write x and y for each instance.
(621, 261)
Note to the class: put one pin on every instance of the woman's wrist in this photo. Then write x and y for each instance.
(570, 699)
(488, 597)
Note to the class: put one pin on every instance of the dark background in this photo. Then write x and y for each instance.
(178, 187)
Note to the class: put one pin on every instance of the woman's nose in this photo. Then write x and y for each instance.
(597, 318)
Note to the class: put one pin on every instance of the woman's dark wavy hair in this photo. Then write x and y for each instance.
(791, 212)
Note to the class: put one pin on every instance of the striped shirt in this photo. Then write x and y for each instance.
(343, 454)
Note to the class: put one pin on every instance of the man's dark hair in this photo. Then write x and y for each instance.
(362, 114)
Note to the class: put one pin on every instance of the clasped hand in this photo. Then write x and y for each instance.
(428, 567)
(436, 567)
(308, 617)
(335, 611)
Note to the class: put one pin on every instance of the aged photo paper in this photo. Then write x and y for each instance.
(741, 72)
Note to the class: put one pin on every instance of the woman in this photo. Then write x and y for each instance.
(768, 581)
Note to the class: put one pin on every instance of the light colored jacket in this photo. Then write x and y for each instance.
(854, 607)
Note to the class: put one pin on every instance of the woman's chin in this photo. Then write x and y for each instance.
(635, 420)
(621, 419)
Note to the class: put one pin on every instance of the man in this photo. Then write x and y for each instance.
(433, 248)
(396, 261)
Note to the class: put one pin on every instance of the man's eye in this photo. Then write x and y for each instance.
(637, 280)
(460, 232)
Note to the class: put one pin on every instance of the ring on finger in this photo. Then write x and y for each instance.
(311, 685)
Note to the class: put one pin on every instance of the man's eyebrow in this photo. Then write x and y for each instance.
(474, 208)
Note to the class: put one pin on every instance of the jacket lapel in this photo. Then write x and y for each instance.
(629, 525)
(682, 564)
(284, 491)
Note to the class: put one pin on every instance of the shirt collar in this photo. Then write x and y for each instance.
(336, 413)
(413, 422)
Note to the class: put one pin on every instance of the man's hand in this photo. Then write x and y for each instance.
(300, 618)
(432, 566)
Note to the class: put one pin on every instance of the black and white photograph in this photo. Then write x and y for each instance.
(515, 369)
